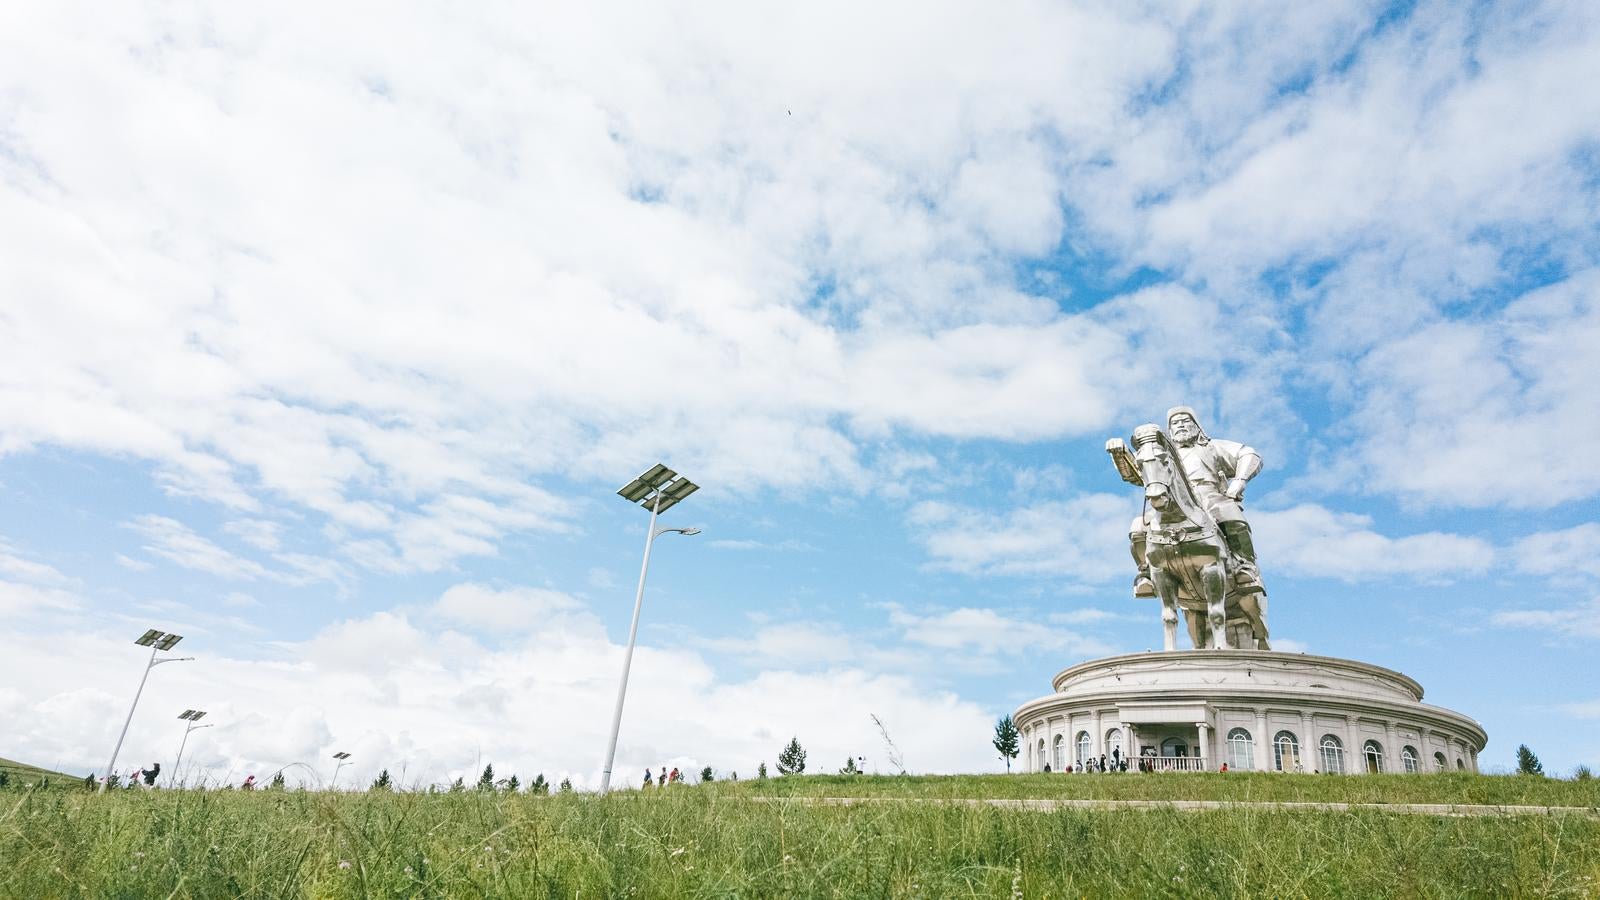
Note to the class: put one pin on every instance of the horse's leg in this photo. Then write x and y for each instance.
(1197, 632)
(1167, 588)
(1213, 580)
(1251, 604)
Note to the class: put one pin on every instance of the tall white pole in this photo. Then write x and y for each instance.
(627, 656)
(112, 765)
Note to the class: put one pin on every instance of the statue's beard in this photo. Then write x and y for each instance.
(1185, 438)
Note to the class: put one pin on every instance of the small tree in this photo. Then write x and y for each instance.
(1527, 762)
(486, 780)
(539, 785)
(1006, 740)
(459, 786)
(277, 782)
(5, 778)
(850, 767)
(512, 784)
(1582, 773)
(566, 786)
(707, 775)
(761, 770)
(792, 761)
(382, 782)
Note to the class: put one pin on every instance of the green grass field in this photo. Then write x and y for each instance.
(24, 774)
(719, 841)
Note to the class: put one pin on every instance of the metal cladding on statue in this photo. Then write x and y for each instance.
(1192, 544)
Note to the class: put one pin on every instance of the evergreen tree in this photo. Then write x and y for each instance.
(792, 761)
(761, 770)
(277, 783)
(1527, 763)
(382, 782)
(1006, 740)
(539, 785)
(459, 786)
(486, 780)
(707, 775)
(850, 767)
(566, 786)
(5, 778)
(512, 784)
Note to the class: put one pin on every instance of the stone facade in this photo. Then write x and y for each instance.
(1252, 709)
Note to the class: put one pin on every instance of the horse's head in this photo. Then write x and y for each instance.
(1164, 486)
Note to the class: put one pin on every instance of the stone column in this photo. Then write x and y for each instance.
(1307, 741)
(1355, 762)
(1263, 743)
(1205, 745)
(1097, 737)
(1392, 752)
(1130, 747)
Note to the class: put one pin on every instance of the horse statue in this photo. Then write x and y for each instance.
(1190, 562)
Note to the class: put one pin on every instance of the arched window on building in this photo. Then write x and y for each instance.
(1085, 747)
(1241, 750)
(1373, 751)
(1174, 747)
(1408, 759)
(1114, 748)
(1060, 753)
(1439, 765)
(1285, 752)
(1460, 765)
(1332, 755)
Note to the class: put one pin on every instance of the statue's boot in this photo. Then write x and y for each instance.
(1246, 575)
(1142, 585)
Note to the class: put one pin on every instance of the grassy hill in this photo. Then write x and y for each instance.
(22, 773)
(733, 840)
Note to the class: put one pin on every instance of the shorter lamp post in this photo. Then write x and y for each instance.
(191, 716)
(157, 641)
(343, 760)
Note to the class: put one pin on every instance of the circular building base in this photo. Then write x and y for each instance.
(1196, 710)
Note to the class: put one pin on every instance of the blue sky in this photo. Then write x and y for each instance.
(328, 339)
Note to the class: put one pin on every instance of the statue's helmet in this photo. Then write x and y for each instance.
(1188, 411)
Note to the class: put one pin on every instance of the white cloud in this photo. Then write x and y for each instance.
(988, 631)
(437, 705)
(1578, 621)
(746, 544)
(1311, 540)
(513, 610)
(1083, 538)
(174, 541)
(1569, 554)
(1586, 710)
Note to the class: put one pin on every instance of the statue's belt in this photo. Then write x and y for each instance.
(1180, 535)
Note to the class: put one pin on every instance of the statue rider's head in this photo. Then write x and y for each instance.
(1184, 427)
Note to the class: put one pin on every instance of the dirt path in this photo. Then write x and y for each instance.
(1416, 809)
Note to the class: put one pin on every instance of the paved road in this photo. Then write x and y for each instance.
(1416, 809)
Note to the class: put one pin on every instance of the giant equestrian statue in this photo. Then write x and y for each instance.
(1192, 543)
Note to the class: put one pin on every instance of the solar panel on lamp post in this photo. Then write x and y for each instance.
(657, 491)
(157, 641)
(191, 716)
(343, 760)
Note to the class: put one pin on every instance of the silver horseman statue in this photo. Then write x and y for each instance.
(1192, 544)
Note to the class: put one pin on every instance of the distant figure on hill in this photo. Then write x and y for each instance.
(249, 783)
(661, 780)
(1047, 768)
(674, 777)
(648, 778)
(150, 774)
(1224, 768)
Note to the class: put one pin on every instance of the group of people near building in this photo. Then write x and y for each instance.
(1092, 766)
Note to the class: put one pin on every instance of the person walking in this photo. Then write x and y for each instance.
(648, 780)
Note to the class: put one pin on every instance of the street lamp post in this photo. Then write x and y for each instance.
(191, 716)
(343, 760)
(157, 641)
(656, 491)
